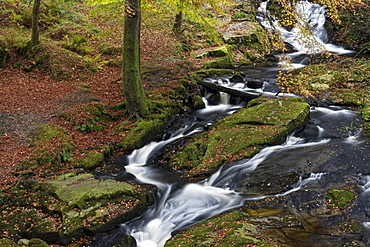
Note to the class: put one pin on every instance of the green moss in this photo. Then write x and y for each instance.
(53, 146)
(220, 51)
(64, 208)
(35, 242)
(92, 160)
(90, 117)
(81, 202)
(354, 98)
(242, 134)
(140, 131)
(76, 189)
(366, 116)
(220, 63)
(7, 243)
(212, 72)
(240, 15)
(61, 62)
(341, 198)
(345, 77)
(230, 229)
(119, 107)
(197, 102)
(190, 155)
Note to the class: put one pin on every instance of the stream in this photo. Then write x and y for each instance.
(329, 150)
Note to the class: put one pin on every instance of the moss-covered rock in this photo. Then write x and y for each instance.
(91, 160)
(52, 145)
(276, 221)
(72, 206)
(35, 242)
(212, 72)
(243, 134)
(7, 243)
(62, 63)
(230, 229)
(335, 78)
(341, 198)
(142, 131)
(250, 38)
(219, 51)
(220, 63)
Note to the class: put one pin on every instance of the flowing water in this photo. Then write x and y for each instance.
(331, 130)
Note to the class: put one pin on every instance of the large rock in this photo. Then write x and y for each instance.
(219, 51)
(241, 135)
(231, 229)
(72, 206)
(250, 38)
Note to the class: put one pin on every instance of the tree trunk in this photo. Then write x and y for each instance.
(178, 22)
(35, 23)
(136, 101)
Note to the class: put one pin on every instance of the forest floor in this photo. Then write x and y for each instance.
(30, 98)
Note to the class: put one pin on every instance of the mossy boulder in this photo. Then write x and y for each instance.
(142, 131)
(230, 229)
(75, 205)
(250, 38)
(219, 51)
(340, 79)
(90, 160)
(264, 122)
(277, 221)
(220, 63)
(36, 242)
(7, 243)
(52, 145)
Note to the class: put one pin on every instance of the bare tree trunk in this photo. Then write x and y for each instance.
(35, 23)
(178, 22)
(136, 101)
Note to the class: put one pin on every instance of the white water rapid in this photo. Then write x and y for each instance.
(179, 207)
(195, 202)
(308, 36)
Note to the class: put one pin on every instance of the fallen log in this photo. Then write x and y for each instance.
(243, 94)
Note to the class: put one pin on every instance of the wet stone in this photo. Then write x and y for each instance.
(255, 83)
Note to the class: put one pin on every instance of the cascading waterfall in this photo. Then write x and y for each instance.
(308, 36)
(224, 97)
